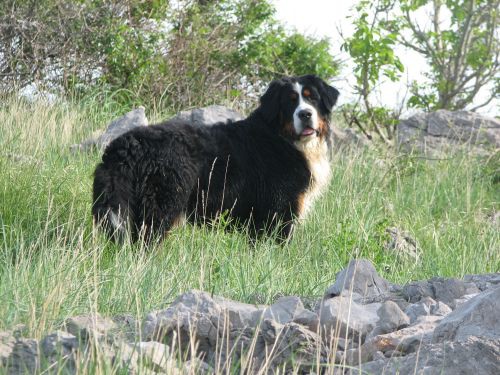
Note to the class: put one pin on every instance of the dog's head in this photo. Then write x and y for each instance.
(299, 108)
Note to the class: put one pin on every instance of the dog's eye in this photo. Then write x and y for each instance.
(306, 93)
(294, 96)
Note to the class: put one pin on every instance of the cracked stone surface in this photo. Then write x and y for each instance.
(443, 131)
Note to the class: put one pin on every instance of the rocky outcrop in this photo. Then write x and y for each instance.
(362, 323)
(444, 131)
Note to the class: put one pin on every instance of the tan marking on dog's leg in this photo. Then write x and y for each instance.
(179, 220)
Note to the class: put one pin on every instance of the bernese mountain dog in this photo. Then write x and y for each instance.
(263, 172)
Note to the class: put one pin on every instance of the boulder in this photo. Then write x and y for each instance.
(85, 327)
(209, 321)
(484, 281)
(346, 138)
(291, 309)
(391, 319)
(60, 346)
(24, 358)
(475, 355)
(343, 317)
(439, 289)
(406, 340)
(444, 131)
(290, 347)
(101, 139)
(359, 277)
(480, 316)
(210, 115)
(7, 342)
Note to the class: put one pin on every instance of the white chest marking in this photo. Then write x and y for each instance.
(316, 153)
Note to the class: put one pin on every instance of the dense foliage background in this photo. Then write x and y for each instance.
(174, 55)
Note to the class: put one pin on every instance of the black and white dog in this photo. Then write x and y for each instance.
(263, 172)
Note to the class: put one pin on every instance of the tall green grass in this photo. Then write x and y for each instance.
(54, 265)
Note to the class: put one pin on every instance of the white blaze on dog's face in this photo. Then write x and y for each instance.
(299, 108)
(305, 116)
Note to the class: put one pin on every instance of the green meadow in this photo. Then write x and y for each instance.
(53, 264)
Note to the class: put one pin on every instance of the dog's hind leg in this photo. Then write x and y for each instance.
(165, 196)
(113, 195)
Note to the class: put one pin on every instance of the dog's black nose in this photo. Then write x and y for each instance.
(305, 114)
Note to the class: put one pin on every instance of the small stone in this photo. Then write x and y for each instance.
(155, 355)
(440, 309)
(291, 309)
(427, 306)
(7, 342)
(87, 326)
(391, 318)
(24, 358)
(197, 366)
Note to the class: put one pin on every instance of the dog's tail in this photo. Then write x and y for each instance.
(112, 203)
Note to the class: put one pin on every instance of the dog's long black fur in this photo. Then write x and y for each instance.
(152, 177)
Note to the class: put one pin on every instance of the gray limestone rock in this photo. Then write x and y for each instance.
(343, 317)
(7, 342)
(475, 355)
(209, 115)
(117, 127)
(444, 131)
(346, 138)
(406, 340)
(291, 309)
(360, 277)
(89, 326)
(391, 319)
(60, 346)
(484, 281)
(480, 316)
(24, 358)
(295, 347)
(427, 306)
(439, 289)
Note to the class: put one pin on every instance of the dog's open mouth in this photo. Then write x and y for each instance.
(307, 132)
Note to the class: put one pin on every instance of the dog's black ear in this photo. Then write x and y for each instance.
(270, 102)
(329, 95)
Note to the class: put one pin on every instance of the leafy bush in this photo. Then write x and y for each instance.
(190, 54)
